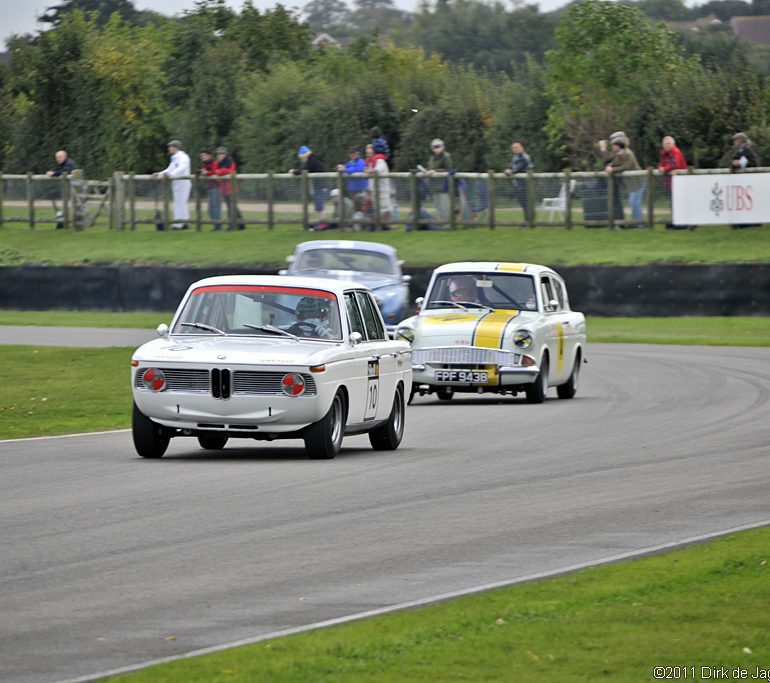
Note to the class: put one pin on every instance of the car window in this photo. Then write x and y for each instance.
(260, 310)
(374, 328)
(545, 289)
(558, 290)
(358, 260)
(494, 289)
(354, 315)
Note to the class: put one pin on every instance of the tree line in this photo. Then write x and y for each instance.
(113, 88)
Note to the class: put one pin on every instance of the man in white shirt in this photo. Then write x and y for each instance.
(178, 167)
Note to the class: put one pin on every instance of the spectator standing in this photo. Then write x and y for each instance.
(356, 186)
(63, 165)
(671, 160)
(520, 163)
(337, 204)
(623, 159)
(313, 163)
(441, 162)
(213, 192)
(614, 169)
(178, 168)
(225, 166)
(745, 155)
(376, 163)
(380, 144)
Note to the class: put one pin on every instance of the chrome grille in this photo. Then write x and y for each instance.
(266, 383)
(183, 380)
(464, 355)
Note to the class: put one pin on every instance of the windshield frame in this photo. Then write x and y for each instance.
(177, 326)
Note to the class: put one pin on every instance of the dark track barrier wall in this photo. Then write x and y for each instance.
(634, 291)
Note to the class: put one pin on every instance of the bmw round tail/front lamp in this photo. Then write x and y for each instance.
(293, 384)
(154, 379)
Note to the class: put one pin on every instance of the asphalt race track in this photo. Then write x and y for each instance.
(109, 560)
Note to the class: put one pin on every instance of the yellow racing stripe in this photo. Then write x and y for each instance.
(490, 329)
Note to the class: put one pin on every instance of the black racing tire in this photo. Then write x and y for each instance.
(324, 438)
(445, 393)
(150, 439)
(213, 441)
(539, 388)
(387, 437)
(569, 388)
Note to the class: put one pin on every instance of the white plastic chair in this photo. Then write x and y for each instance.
(558, 205)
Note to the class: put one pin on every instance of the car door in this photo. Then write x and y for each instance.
(382, 362)
(358, 380)
(550, 328)
(566, 331)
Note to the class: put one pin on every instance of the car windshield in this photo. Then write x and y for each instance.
(494, 290)
(359, 260)
(262, 311)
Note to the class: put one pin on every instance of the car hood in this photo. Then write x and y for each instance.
(373, 281)
(472, 328)
(234, 351)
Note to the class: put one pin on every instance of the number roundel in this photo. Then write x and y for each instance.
(293, 384)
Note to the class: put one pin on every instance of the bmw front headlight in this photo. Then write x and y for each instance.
(523, 339)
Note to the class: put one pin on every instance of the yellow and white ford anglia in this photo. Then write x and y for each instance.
(498, 328)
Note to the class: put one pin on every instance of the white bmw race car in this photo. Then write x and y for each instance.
(495, 327)
(268, 357)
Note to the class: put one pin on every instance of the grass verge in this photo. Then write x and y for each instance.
(703, 606)
(40, 385)
(258, 245)
(708, 331)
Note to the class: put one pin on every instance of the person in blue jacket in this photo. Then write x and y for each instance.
(356, 186)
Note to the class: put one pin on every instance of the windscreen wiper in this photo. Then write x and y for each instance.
(203, 326)
(272, 329)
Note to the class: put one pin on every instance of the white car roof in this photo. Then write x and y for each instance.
(378, 247)
(334, 286)
(492, 267)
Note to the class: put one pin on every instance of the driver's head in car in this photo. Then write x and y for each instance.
(313, 315)
(463, 288)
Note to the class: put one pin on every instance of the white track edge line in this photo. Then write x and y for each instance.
(62, 436)
(421, 602)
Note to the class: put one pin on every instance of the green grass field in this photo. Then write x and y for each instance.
(40, 385)
(259, 246)
(703, 606)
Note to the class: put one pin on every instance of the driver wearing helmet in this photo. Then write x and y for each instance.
(312, 318)
(463, 288)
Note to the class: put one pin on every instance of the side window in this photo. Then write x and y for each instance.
(354, 315)
(374, 328)
(545, 289)
(558, 289)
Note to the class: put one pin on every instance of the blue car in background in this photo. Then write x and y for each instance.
(371, 264)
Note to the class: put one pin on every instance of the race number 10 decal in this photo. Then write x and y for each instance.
(372, 389)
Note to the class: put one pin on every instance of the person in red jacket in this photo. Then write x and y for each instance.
(225, 166)
(671, 159)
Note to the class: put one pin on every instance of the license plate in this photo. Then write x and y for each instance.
(463, 376)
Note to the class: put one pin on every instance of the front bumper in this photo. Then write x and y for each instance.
(503, 368)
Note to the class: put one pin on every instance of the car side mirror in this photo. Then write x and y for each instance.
(552, 305)
(162, 330)
(420, 300)
(355, 338)
(406, 278)
(290, 259)
(283, 271)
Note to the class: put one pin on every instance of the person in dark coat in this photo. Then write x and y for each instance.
(63, 164)
(313, 163)
(745, 155)
(520, 163)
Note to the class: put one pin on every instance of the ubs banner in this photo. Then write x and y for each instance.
(729, 198)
